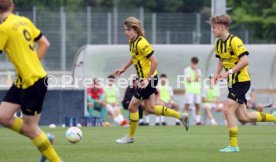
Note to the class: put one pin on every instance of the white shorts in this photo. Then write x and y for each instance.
(111, 108)
(213, 105)
(192, 98)
(209, 105)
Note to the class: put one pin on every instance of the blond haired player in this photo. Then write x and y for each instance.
(145, 63)
(233, 57)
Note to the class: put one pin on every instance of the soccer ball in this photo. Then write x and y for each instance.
(73, 135)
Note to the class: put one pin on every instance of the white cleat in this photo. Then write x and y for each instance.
(125, 140)
(185, 120)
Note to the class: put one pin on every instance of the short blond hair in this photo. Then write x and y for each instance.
(5, 5)
(222, 19)
(134, 23)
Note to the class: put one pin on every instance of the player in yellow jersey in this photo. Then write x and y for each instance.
(233, 57)
(145, 64)
(17, 38)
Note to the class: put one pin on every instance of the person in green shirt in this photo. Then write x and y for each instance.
(192, 86)
(210, 99)
(166, 98)
(112, 100)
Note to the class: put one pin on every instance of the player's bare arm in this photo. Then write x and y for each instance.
(123, 69)
(42, 48)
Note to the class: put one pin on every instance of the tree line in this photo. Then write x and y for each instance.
(259, 17)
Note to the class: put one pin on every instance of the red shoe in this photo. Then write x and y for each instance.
(124, 122)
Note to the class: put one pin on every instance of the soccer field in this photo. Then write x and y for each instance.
(153, 144)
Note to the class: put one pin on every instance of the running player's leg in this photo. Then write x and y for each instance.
(7, 119)
(8, 107)
(176, 108)
(164, 111)
(31, 100)
(39, 138)
(133, 119)
(245, 117)
(229, 112)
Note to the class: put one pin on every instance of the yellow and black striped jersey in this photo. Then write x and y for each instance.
(229, 52)
(140, 51)
(18, 35)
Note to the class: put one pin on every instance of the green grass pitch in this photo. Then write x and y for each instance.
(153, 144)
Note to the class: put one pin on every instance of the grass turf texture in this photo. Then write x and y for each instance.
(153, 144)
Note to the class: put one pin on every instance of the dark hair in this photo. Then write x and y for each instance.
(194, 60)
(95, 80)
(111, 76)
(163, 76)
(5, 5)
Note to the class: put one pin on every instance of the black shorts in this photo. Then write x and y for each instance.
(238, 91)
(30, 99)
(145, 93)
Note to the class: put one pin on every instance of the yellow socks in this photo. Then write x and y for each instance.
(133, 118)
(233, 134)
(46, 148)
(17, 125)
(262, 117)
(164, 111)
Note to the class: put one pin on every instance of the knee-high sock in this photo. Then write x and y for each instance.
(17, 125)
(165, 111)
(45, 147)
(262, 117)
(233, 136)
(133, 119)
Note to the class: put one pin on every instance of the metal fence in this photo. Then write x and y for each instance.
(68, 30)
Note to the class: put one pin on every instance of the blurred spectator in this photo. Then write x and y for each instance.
(166, 98)
(112, 100)
(251, 100)
(210, 99)
(95, 98)
(192, 85)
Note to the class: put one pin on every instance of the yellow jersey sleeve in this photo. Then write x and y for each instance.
(238, 47)
(145, 48)
(36, 33)
(3, 40)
